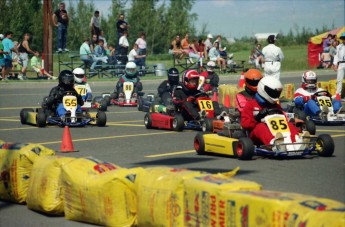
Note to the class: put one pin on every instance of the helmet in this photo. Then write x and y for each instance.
(309, 80)
(252, 78)
(270, 89)
(79, 75)
(66, 78)
(131, 69)
(210, 36)
(191, 79)
(173, 76)
(210, 66)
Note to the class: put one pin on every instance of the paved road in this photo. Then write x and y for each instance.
(127, 143)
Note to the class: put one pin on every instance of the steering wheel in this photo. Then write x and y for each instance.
(322, 93)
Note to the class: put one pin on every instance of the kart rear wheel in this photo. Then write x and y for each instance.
(101, 119)
(140, 103)
(238, 134)
(199, 143)
(41, 119)
(310, 127)
(103, 105)
(107, 99)
(178, 123)
(148, 121)
(325, 145)
(244, 149)
(300, 114)
(207, 125)
(23, 114)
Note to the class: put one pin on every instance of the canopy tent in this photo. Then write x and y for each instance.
(315, 45)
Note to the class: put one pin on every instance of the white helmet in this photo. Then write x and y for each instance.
(210, 66)
(79, 75)
(210, 36)
(270, 89)
(131, 69)
(309, 80)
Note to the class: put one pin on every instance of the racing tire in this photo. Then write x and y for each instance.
(148, 121)
(114, 95)
(140, 103)
(199, 143)
(41, 119)
(238, 134)
(300, 114)
(244, 149)
(103, 105)
(324, 145)
(178, 123)
(101, 119)
(97, 99)
(310, 127)
(23, 114)
(207, 125)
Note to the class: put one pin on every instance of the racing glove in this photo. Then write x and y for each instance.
(261, 114)
(190, 99)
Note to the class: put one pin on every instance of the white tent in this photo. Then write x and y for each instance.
(264, 36)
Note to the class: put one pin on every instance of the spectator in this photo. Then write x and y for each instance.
(99, 54)
(101, 36)
(85, 53)
(141, 42)
(222, 51)
(339, 65)
(333, 49)
(193, 51)
(201, 48)
(215, 56)
(8, 48)
(24, 50)
(121, 26)
(35, 63)
(208, 42)
(2, 57)
(123, 46)
(94, 24)
(135, 57)
(273, 57)
(62, 25)
(16, 62)
(327, 42)
(177, 49)
(325, 60)
(185, 44)
(93, 43)
(256, 56)
(112, 60)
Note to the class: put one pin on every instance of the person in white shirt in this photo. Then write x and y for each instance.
(123, 46)
(94, 24)
(142, 45)
(135, 57)
(208, 42)
(273, 56)
(339, 65)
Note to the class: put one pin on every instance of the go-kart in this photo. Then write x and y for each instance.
(328, 117)
(233, 141)
(98, 102)
(41, 117)
(128, 97)
(178, 120)
(144, 104)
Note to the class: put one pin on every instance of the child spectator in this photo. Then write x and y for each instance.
(37, 67)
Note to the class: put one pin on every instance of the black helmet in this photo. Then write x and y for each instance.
(173, 76)
(66, 78)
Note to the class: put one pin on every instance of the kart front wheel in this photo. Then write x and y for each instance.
(101, 119)
(103, 105)
(325, 145)
(199, 143)
(207, 125)
(244, 149)
(41, 119)
(148, 121)
(24, 113)
(140, 104)
(310, 127)
(178, 123)
(300, 114)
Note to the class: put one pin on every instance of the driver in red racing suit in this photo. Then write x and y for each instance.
(269, 90)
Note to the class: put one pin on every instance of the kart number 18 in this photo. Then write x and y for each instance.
(205, 105)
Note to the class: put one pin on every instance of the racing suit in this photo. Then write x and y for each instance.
(165, 90)
(183, 98)
(125, 78)
(84, 90)
(339, 63)
(54, 100)
(211, 81)
(303, 100)
(259, 132)
(243, 97)
(273, 57)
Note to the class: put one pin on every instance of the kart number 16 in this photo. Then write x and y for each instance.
(205, 105)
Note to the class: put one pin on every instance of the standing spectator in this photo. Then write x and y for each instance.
(256, 56)
(333, 49)
(339, 64)
(327, 42)
(273, 56)
(93, 43)
(35, 63)
(85, 53)
(62, 25)
(123, 46)
(142, 45)
(135, 57)
(24, 50)
(121, 26)
(16, 62)
(94, 24)
(2, 57)
(8, 48)
(208, 42)
(215, 56)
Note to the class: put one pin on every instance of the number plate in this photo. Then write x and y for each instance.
(69, 101)
(128, 86)
(325, 101)
(277, 123)
(81, 89)
(205, 104)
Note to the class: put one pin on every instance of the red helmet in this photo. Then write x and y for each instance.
(191, 79)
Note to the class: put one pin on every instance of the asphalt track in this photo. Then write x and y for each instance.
(127, 143)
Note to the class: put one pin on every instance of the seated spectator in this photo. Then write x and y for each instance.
(112, 60)
(201, 48)
(101, 36)
(194, 51)
(222, 51)
(133, 56)
(85, 53)
(99, 54)
(256, 56)
(208, 42)
(325, 60)
(35, 63)
(327, 43)
(177, 49)
(93, 42)
(215, 56)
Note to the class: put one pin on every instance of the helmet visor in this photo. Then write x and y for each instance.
(80, 76)
(67, 80)
(253, 83)
(310, 81)
(273, 93)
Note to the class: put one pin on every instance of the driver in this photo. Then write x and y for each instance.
(267, 97)
(131, 75)
(66, 85)
(166, 88)
(305, 98)
(79, 76)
